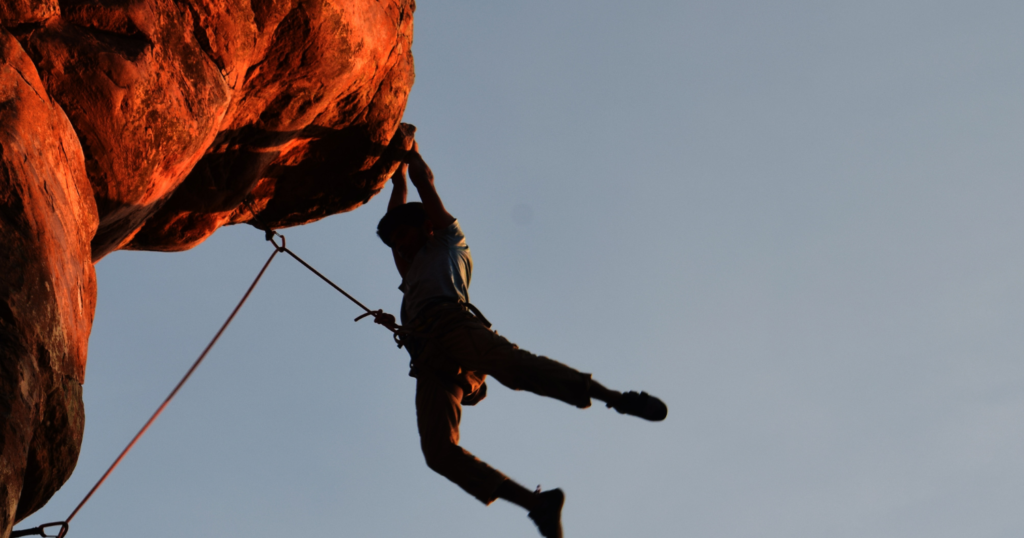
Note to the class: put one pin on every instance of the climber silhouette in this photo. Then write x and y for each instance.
(453, 348)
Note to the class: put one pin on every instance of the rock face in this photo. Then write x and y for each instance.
(145, 124)
(47, 288)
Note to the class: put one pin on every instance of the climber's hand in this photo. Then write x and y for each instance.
(385, 319)
(405, 137)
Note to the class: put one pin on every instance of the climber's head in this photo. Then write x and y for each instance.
(404, 228)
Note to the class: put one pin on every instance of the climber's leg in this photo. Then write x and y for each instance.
(438, 412)
(472, 346)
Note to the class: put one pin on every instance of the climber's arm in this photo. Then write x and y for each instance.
(423, 179)
(399, 189)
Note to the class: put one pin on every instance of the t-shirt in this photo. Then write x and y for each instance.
(442, 268)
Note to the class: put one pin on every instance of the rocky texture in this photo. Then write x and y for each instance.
(145, 124)
(47, 288)
(184, 108)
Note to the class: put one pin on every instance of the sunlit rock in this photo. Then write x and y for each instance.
(144, 125)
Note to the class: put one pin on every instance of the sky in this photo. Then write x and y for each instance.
(798, 223)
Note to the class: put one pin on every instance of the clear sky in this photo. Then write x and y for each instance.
(799, 223)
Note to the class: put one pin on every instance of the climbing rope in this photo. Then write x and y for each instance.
(396, 330)
(62, 526)
(270, 234)
(59, 529)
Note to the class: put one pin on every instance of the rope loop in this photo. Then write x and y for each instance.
(373, 313)
(44, 530)
(270, 237)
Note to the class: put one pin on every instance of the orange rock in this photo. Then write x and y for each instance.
(145, 124)
(48, 288)
(185, 108)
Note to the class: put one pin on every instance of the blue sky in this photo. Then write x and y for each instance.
(797, 222)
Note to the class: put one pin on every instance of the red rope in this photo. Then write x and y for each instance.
(64, 524)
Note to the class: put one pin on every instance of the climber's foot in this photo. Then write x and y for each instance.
(547, 514)
(642, 405)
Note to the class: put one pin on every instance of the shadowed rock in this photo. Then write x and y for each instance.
(144, 124)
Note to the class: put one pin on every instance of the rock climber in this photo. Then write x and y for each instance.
(453, 348)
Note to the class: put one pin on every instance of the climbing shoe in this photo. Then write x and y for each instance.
(548, 513)
(642, 405)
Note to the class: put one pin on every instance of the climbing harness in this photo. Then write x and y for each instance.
(59, 529)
